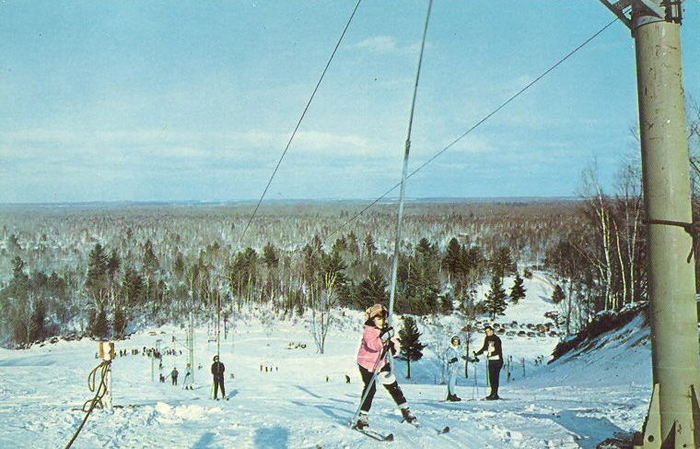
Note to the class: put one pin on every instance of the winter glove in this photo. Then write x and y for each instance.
(386, 334)
(453, 360)
(395, 345)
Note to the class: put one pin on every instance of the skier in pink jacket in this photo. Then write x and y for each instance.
(377, 339)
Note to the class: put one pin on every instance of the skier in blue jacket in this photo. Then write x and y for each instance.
(452, 356)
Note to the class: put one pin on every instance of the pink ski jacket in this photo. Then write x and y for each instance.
(370, 349)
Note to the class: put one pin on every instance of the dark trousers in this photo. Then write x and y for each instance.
(494, 371)
(393, 389)
(219, 383)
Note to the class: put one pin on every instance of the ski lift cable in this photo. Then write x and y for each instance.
(296, 128)
(476, 125)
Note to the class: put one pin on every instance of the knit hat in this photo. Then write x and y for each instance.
(455, 338)
(375, 310)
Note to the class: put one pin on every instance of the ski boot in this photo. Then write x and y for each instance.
(362, 421)
(455, 398)
(407, 416)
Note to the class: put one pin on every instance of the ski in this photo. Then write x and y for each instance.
(375, 435)
(439, 431)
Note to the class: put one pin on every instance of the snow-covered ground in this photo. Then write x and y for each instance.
(303, 401)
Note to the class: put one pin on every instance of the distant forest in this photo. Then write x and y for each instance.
(95, 270)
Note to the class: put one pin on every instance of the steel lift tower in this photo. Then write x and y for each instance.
(673, 420)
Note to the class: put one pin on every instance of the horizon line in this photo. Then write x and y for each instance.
(194, 202)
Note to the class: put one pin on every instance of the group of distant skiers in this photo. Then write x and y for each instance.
(217, 371)
(378, 340)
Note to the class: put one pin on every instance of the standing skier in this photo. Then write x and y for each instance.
(377, 339)
(188, 380)
(452, 355)
(217, 370)
(173, 375)
(494, 354)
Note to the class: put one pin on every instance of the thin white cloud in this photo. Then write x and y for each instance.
(383, 44)
(379, 44)
(158, 148)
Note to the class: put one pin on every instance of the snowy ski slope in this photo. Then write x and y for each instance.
(304, 401)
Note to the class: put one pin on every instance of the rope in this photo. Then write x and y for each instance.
(96, 401)
(693, 229)
(399, 218)
(296, 128)
(477, 124)
(386, 353)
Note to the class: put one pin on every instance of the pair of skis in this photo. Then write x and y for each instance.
(375, 435)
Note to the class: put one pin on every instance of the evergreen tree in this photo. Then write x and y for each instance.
(340, 245)
(558, 294)
(242, 273)
(372, 290)
(113, 265)
(57, 287)
(473, 260)
(353, 245)
(446, 304)
(333, 267)
(133, 287)
(120, 322)
(311, 265)
(269, 256)
(452, 260)
(179, 266)
(100, 325)
(38, 324)
(19, 286)
(97, 279)
(411, 347)
(517, 292)
(422, 281)
(370, 247)
(13, 245)
(426, 251)
(502, 263)
(496, 297)
(150, 261)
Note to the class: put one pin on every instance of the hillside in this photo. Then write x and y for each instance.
(302, 401)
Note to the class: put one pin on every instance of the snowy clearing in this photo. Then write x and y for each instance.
(303, 400)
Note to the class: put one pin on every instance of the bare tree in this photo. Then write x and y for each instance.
(598, 211)
(628, 211)
(321, 305)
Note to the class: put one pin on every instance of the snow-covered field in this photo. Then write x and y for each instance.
(303, 401)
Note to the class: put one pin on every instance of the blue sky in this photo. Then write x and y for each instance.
(195, 100)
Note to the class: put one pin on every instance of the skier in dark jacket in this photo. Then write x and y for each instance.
(217, 370)
(494, 354)
(173, 375)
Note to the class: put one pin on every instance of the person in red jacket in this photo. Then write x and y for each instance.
(377, 339)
